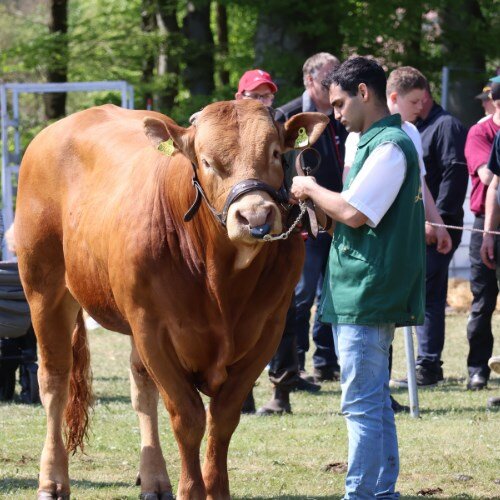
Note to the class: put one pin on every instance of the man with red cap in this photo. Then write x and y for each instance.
(257, 84)
(284, 366)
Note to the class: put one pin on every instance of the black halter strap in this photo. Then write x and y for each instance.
(237, 191)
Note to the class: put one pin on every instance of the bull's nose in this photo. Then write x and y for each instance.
(255, 218)
(260, 231)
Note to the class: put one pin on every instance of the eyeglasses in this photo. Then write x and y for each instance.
(259, 97)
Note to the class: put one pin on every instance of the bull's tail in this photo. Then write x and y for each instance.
(77, 411)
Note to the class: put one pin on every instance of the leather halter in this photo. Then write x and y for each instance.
(237, 191)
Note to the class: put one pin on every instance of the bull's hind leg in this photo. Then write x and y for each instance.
(53, 314)
(53, 323)
(155, 482)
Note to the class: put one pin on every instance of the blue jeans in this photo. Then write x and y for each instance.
(308, 288)
(373, 459)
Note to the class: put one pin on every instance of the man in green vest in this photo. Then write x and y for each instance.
(376, 268)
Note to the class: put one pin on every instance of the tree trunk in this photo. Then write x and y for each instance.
(199, 73)
(57, 66)
(170, 51)
(222, 44)
(148, 26)
(464, 57)
(412, 28)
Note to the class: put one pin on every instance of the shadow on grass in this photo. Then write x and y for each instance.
(106, 400)
(336, 497)
(11, 484)
(112, 378)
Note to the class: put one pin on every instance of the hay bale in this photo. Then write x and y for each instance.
(459, 294)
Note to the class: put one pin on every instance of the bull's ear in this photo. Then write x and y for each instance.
(312, 123)
(159, 131)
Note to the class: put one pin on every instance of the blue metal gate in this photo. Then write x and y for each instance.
(10, 133)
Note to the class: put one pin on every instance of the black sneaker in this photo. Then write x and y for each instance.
(428, 377)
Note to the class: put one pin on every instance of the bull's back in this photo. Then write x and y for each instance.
(75, 176)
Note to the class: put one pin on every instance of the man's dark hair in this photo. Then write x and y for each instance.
(358, 70)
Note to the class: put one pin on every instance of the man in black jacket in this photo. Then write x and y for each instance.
(443, 141)
(295, 341)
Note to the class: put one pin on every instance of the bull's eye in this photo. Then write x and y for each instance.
(205, 163)
(276, 154)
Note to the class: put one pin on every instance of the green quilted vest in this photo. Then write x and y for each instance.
(377, 275)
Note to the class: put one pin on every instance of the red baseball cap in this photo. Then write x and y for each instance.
(255, 77)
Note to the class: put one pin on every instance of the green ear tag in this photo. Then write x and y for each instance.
(167, 147)
(302, 140)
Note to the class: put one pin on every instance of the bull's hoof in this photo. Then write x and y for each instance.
(166, 495)
(138, 479)
(46, 495)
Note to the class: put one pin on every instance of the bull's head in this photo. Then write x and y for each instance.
(231, 142)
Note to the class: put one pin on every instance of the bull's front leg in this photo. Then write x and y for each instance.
(225, 410)
(153, 475)
(183, 402)
(223, 417)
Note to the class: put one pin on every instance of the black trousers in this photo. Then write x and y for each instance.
(284, 365)
(430, 335)
(484, 288)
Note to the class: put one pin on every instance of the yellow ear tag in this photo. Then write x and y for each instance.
(302, 140)
(167, 147)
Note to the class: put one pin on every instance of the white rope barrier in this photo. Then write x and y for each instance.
(460, 228)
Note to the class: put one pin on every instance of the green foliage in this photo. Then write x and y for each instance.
(107, 42)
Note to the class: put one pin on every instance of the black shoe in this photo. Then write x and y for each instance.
(493, 402)
(399, 408)
(477, 382)
(299, 384)
(308, 378)
(425, 377)
(248, 407)
(428, 377)
(326, 373)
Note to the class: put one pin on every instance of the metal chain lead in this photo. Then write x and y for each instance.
(285, 235)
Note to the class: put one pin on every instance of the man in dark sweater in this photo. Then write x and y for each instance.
(443, 141)
(329, 175)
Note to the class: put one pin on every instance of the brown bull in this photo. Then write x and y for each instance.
(100, 226)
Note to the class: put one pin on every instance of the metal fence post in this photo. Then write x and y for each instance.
(410, 368)
(445, 81)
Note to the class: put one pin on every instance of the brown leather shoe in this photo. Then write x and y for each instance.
(494, 364)
(278, 405)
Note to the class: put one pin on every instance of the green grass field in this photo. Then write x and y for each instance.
(453, 449)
